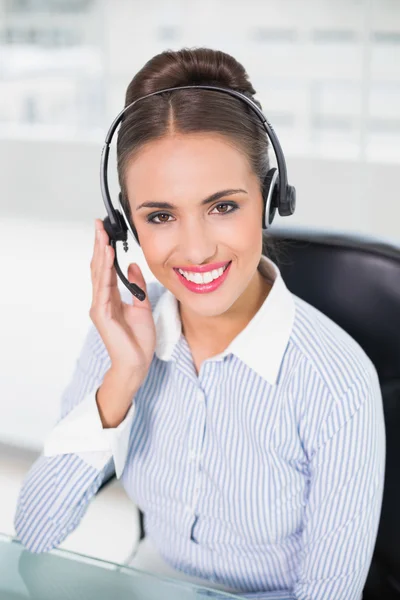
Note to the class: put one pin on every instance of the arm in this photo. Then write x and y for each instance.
(98, 428)
(344, 501)
(78, 457)
(277, 595)
(345, 497)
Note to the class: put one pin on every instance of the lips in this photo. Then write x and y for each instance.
(202, 288)
(204, 268)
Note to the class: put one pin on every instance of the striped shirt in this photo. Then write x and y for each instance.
(264, 472)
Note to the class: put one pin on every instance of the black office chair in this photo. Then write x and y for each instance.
(356, 282)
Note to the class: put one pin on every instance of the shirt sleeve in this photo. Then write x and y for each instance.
(79, 455)
(277, 595)
(57, 489)
(343, 509)
(81, 432)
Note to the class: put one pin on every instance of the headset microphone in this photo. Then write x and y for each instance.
(277, 193)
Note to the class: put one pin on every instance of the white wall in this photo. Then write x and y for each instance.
(59, 180)
(44, 316)
(346, 178)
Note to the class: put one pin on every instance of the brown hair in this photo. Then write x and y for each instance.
(190, 111)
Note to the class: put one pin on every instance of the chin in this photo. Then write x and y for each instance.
(211, 311)
(207, 305)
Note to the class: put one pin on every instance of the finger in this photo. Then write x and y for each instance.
(98, 267)
(95, 256)
(108, 279)
(135, 275)
(103, 240)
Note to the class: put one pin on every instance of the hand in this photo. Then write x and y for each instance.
(128, 331)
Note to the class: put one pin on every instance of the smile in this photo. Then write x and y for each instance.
(203, 282)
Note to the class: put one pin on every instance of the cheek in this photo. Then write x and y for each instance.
(246, 232)
(153, 251)
(155, 248)
(243, 233)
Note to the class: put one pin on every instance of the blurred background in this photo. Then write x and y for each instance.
(327, 73)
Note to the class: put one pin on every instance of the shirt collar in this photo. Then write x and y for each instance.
(261, 344)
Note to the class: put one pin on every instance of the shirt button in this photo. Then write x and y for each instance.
(200, 396)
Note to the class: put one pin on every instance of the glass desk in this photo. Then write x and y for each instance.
(64, 575)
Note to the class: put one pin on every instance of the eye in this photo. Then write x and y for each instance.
(151, 218)
(231, 205)
(163, 217)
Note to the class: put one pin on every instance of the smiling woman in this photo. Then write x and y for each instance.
(246, 425)
(191, 174)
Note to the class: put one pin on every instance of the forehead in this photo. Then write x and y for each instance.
(187, 164)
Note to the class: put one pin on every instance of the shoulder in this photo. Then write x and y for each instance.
(329, 350)
(338, 377)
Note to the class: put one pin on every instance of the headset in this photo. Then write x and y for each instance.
(276, 192)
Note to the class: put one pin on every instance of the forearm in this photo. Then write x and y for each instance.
(53, 499)
(271, 595)
(277, 595)
(114, 397)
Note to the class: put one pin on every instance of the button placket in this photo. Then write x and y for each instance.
(200, 396)
(195, 453)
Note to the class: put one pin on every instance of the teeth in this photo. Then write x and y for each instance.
(201, 278)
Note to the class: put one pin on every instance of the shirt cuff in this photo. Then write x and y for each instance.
(81, 432)
(277, 595)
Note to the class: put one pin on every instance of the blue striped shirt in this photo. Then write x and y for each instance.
(264, 472)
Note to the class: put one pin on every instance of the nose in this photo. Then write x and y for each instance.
(197, 243)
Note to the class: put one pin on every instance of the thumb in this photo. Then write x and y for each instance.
(135, 275)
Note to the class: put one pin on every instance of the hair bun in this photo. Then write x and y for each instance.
(197, 66)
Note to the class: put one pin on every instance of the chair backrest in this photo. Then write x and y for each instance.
(356, 282)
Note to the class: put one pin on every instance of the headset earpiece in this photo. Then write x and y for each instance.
(118, 232)
(128, 224)
(288, 206)
(270, 194)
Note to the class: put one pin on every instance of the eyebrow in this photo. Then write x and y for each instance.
(212, 198)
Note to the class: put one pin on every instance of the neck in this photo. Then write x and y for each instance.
(219, 331)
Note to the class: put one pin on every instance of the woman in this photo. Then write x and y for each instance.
(245, 424)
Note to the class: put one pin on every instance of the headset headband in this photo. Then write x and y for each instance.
(280, 159)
